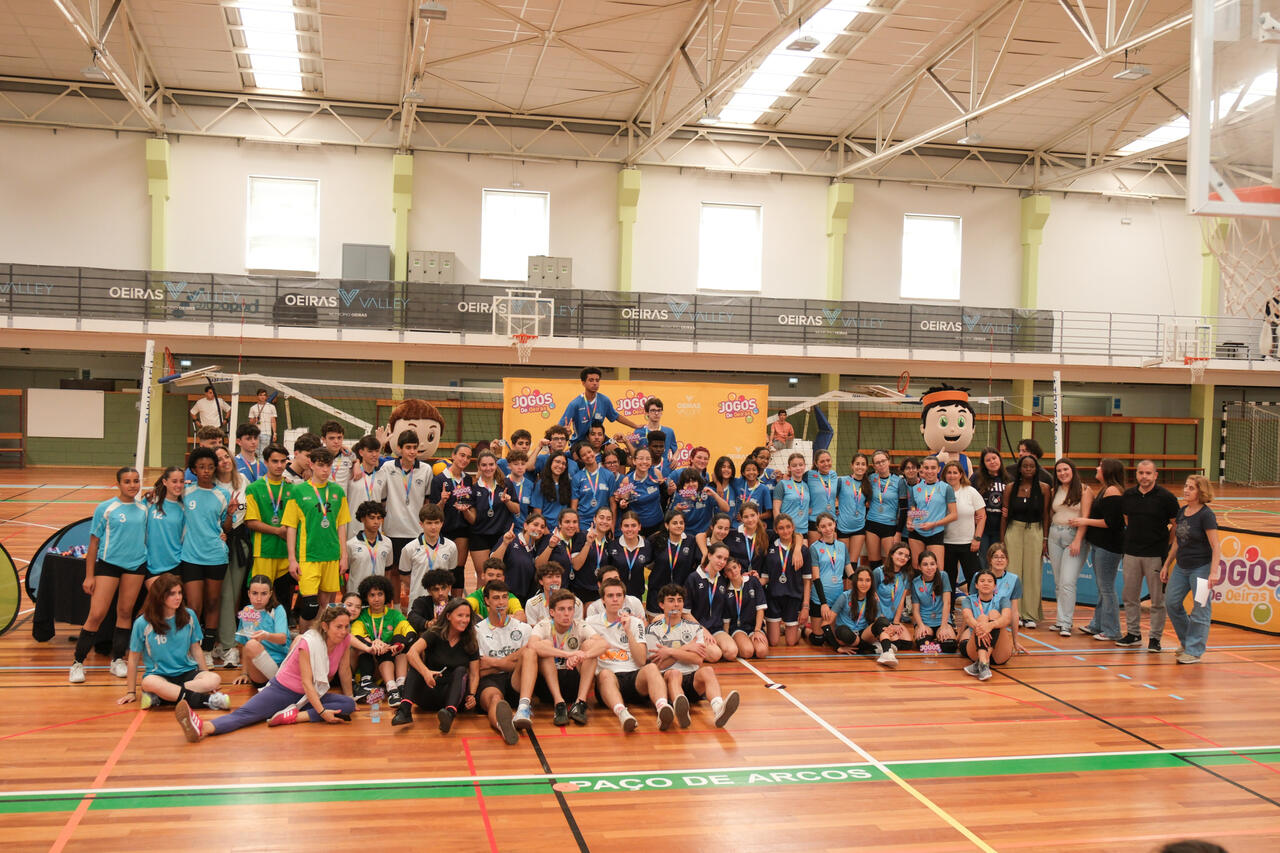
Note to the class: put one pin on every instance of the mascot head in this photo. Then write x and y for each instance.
(421, 417)
(947, 419)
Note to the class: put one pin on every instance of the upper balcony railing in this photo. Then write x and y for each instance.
(133, 295)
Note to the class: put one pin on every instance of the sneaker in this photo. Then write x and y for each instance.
(523, 719)
(445, 716)
(189, 720)
(1186, 658)
(404, 715)
(231, 658)
(888, 658)
(1106, 638)
(119, 668)
(208, 660)
(682, 710)
(727, 709)
(561, 715)
(1088, 630)
(502, 713)
(1129, 640)
(148, 700)
(984, 671)
(666, 716)
(77, 673)
(1064, 631)
(578, 712)
(394, 698)
(364, 688)
(285, 717)
(218, 702)
(972, 669)
(1029, 624)
(1153, 645)
(628, 722)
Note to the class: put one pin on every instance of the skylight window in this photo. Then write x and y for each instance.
(782, 67)
(1229, 107)
(270, 34)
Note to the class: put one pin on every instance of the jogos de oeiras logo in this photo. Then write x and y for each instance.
(631, 404)
(739, 406)
(1250, 579)
(531, 401)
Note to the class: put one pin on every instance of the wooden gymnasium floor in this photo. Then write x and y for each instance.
(1076, 746)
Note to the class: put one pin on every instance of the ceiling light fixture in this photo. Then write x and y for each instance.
(1131, 72)
(413, 96)
(432, 11)
(972, 134)
(804, 44)
(92, 71)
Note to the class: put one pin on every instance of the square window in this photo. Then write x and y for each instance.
(283, 229)
(514, 225)
(730, 247)
(930, 257)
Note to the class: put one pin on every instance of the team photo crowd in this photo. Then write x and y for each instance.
(601, 572)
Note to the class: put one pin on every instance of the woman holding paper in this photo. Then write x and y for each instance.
(1192, 567)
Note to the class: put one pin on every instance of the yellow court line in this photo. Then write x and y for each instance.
(879, 765)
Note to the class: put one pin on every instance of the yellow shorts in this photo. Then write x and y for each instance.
(271, 567)
(319, 577)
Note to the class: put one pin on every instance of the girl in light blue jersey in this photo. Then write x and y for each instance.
(117, 559)
(931, 507)
(204, 543)
(853, 497)
(830, 566)
(891, 592)
(791, 495)
(166, 521)
(888, 493)
(821, 481)
(751, 488)
(931, 597)
(987, 617)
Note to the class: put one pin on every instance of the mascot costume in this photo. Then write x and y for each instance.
(947, 424)
(424, 419)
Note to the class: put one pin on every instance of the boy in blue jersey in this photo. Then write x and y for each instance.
(247, 461)
(555, 442)
(520, 442)
(653, 423)
(590, 407)
(519, 487)
(204, 544)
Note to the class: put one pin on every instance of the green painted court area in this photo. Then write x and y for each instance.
(508, 786)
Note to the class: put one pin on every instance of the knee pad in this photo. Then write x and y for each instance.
(878, 626)
(875, 564)
(308, 607)
(948, 647)
(903, 645)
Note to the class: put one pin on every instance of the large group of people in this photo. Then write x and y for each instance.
(336, 575)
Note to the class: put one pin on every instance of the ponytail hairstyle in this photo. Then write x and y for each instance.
(272, 603)
(160, 491)
(865, 485)
(760, 540)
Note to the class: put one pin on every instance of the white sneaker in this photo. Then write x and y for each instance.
(231, 658)
(208, 660)
(219, 702)
(628, 722)
(119, 668)
(1064, 631)
(726, 710)
(77, 673)
(888, 658)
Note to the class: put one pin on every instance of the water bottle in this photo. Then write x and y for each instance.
(375, 712)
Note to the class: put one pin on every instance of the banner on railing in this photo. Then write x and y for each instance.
(727, 418)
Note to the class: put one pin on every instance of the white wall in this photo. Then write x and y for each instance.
(1091, 260)
(73, 198)
(666, 235)
(79, 198)
(208, 192)
(584, 215)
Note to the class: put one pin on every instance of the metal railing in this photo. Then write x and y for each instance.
(75, 292)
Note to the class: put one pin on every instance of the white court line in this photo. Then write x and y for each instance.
(524, 777)
(879, 765)
(51, 486)
(29, 524)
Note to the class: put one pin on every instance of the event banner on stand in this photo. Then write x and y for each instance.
(727, 419)
(1248, 595)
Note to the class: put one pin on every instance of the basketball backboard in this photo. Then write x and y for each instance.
(523, 312)
(1233, 157)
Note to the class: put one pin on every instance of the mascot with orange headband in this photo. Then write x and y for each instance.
(947, 424)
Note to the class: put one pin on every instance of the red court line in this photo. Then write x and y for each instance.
(484, 812)
(1209, 741)
(69, 829)
(1254, 662)
(67, 723)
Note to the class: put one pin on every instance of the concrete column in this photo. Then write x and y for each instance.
(401, 202)
(1023, 391)
(839, 203)
(1203, 409)
(156, 153)
(1035, 213)
(628, 199)
(397, 376)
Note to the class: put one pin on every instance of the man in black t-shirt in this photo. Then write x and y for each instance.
(1030, 447)
(1149, 509)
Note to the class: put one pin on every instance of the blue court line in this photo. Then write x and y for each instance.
(1179, 698)
(1027, 636)
(1149, 686)
(1125, 677)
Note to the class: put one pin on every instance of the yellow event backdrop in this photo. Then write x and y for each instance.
(1249, 593)
(727, 419)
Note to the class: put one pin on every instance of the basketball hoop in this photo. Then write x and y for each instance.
(1197, 366)
(1248, 253)
(904, 382)
(524, 346)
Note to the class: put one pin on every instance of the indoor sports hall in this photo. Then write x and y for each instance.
(364, 291)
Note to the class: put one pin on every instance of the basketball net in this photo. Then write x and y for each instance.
(524, 346)
(1197, 366)
(1249, 260)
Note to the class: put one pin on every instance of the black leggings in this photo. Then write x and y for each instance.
(956, 557)
(448, 692)
(367, 663)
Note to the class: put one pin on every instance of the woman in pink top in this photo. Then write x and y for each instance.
(293, 686)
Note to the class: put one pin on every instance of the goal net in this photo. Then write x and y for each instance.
(1251, 444)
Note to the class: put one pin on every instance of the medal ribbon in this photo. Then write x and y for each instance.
(275, 502)
(323, 502)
